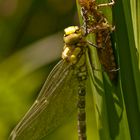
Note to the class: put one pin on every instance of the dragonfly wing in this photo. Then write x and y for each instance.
(56, 101)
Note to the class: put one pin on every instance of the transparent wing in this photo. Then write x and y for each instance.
(56, 101)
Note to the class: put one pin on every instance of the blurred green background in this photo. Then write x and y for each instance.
(31, 41)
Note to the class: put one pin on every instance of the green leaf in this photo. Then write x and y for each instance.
(117, 106)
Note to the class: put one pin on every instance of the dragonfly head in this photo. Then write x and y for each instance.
(74, 42)
(72, 35)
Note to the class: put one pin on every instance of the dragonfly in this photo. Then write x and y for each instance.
(63, 92)
(96, 22)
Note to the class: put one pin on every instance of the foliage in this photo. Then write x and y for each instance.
(29, 39)
(117, 106)
(30, 43)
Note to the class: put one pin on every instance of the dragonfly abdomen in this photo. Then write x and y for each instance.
(81, 113)
(82, 76)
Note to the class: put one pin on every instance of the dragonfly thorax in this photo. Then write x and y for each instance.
(72, 35)
(74, 44)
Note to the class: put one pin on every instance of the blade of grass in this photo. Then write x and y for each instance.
(129, 72)
(118, 114)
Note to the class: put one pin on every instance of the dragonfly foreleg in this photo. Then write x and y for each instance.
(106, 4)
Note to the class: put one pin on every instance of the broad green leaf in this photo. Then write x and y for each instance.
(117, 106)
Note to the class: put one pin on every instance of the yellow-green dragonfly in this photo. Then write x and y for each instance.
(63, 92)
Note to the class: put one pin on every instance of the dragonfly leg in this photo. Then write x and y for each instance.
(103, 70)
(115, 70)
(101, 27)
(84, 27)
(113, 28)
(92, 44)
(107, 4)
(84, 17)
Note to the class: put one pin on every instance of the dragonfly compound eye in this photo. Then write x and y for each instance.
(72, 35)
(71, 30)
